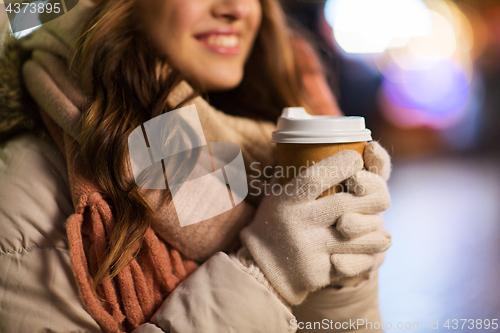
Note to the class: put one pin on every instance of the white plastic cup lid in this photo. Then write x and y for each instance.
(297, 126)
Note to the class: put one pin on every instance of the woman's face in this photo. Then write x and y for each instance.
(209, 41)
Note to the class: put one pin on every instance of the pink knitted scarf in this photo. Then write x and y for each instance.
(132, 297)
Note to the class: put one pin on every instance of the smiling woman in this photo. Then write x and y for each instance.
(83, 248)
(208, 41)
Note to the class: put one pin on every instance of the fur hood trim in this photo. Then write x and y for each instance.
(18, 112)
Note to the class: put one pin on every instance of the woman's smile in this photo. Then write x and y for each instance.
(208, 41)
(224, 41)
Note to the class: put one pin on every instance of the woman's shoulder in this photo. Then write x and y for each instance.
(34, 194)
(38, 290)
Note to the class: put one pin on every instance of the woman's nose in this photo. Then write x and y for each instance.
(232, 10)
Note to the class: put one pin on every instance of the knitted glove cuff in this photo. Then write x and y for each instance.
(243, 258)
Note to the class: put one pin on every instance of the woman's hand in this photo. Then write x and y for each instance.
(377, 160)
(292, 239)
(354, 268)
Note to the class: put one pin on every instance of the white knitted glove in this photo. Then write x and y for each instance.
(377, 160)
(291, 237)
(354, 268)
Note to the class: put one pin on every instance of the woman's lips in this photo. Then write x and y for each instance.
(224, 43)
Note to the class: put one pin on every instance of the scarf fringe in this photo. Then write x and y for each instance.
(142, 284)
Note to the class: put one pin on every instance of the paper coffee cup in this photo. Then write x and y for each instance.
(303, 139)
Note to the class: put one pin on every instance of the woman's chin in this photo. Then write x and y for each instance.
(219, 82)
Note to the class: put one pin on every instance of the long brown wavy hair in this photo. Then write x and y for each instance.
(128, 81)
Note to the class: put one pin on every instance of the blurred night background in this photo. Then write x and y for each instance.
(426, 76)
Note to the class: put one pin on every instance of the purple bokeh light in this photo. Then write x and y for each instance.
(432, 96)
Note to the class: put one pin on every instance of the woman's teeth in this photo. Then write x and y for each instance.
(224, 41)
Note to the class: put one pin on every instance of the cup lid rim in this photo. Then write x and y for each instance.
(297, 126)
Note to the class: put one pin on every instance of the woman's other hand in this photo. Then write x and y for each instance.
(377, 160)
(291, 237)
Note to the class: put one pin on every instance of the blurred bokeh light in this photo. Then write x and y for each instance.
(421, 49)
(434, 96)
(372, 26)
